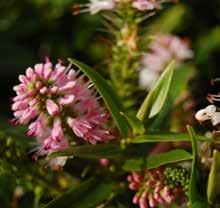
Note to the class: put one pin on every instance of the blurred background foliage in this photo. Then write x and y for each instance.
(33, 29)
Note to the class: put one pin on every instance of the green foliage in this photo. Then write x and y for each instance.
(165, 137)
(88, 194)
(73, 195)
(195, 198)
(98, 151)
(154, 161)
(156, 98)
(108, 95)
(213, 187)
(179, 85)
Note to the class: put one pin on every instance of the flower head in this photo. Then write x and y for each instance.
(159, 186)
(56, 103)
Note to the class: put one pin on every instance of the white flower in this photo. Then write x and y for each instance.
(209, 113)
(96, 6)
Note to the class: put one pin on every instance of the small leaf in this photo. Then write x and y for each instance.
(154, 161)
(178, 86)
(98, 151)
(108, 95)
(165, 137)
(195, 198)
(156, 98)
(134, 165)
(172, 156)
(72, 195)
(213, 188)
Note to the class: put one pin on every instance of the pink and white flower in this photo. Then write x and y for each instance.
(56, 103)
(144, 5)
(162, 50)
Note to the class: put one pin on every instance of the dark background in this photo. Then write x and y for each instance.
(33, 29)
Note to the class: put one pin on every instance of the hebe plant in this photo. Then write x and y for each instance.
(97, 131)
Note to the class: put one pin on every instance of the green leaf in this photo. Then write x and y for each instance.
(108, 95)
(172, 156)
(98, 151)
(134, 165)
(156, 98)
(154, 161)
(213, 188)
(179, 84)
(195, 198)
(165, 137)
(136, 125)
(72, 195)
(94, 198)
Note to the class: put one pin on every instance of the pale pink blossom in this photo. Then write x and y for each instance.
(57, 104)
(143, 5)
(162, 50)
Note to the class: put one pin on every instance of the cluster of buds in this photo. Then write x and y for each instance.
(160, 186)
(162, 50)
(95, 6)
(58, 104)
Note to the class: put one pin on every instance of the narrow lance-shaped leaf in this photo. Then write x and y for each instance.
(156, 98)
(179, 84)
(98, 151)
(165, 137)
(195, 198)
(108, 95)
(154, 161)
(213, 187)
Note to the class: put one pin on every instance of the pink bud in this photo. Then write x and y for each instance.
(52, 107)
(143, 203)
(43, 90)
(19, 106)
(57, 132)
(152, 202)
(47, 73)
(104, 162)
(28, 115)
(39, 69)
(66, 100)
(135, 199)
(23, 79)
(67, 86)
(30, 73)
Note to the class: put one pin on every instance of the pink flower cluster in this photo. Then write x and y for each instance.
(144, 5)
(96, 6)
(150, 189)
(57, 104)
(163, 49)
